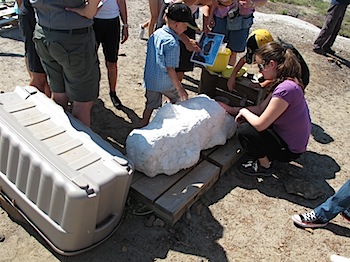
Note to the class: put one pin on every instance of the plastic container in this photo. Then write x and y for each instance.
(68, 182)
(221, 60)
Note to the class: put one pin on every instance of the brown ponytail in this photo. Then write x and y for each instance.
(288, 66)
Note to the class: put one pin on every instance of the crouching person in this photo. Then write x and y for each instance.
(278, 128)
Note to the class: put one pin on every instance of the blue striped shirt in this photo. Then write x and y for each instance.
(163, 50)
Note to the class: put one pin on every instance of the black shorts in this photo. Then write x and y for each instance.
(107, 32)
(27, 23)
(185, 64)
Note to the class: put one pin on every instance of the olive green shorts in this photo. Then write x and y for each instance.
(70, 61)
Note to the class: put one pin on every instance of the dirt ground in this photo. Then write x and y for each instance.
(240, 218)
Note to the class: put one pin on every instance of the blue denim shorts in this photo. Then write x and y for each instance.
(236, 40)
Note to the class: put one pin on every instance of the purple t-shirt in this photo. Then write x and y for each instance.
(294, 125)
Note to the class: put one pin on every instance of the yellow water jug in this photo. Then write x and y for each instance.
(221, 60)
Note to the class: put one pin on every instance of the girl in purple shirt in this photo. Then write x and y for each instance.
(278, 128)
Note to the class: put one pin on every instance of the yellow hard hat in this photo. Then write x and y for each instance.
(258, 38)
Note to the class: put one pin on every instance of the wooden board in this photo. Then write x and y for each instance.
(170, 196)
(216, 85)
(11, 210)
(224, 156)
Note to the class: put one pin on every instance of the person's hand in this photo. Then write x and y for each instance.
(247, 3)
(208, 24)
(86, 10)
(211, 22)
(192, 45)
(182, 94)
(239, 118)
(231, 83)
(125, 34)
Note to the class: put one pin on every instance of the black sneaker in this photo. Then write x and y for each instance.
(320, 51)
(345, 216)
(115, 100)
(329, 51)
(308, 220)
(253, 168)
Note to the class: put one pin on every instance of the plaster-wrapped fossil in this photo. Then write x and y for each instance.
(174, 138)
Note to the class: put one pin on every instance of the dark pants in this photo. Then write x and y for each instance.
(331, 26)
(265, 143)
(27, 23)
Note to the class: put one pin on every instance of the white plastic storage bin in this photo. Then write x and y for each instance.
(70, 184)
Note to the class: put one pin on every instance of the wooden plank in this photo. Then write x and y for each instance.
(173, 203)
(11, 210)
(150, 188)
(137, 175)
(225, 156)
(10, 20)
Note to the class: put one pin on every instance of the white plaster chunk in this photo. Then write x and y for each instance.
(174, 138)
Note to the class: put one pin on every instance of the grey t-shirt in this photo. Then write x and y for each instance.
(52, 14)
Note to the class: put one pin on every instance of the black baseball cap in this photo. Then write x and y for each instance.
(180, 12)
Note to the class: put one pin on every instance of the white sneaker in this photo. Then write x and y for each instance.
(336, 258)
(142, 32)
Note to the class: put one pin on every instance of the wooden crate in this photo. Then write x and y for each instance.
(216, 85)
(170, 196)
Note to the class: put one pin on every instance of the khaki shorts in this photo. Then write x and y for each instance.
(70, 61)
(154, 98)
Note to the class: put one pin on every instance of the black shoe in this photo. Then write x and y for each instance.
(308, 220)
(253, 168)
(319, 51)
(115, 100)
(329, 51)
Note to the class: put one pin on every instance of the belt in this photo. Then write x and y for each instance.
(79, 31)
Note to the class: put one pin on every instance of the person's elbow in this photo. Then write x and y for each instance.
(260, 126)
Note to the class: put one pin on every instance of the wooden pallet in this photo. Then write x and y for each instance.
(170, 196)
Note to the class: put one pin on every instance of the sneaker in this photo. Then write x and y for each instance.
(308, 220)
(345, 216)
(329, 50)
(115, 100)
(319, 51)
(253, 168)
(142, 32)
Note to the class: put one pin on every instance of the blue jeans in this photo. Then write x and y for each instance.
(339, 202)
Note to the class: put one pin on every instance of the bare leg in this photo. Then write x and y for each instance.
(112, 69)
(145, 24)
(39, 80)
(146, 116)
(61, 99)
(154, 7)
(82, 111)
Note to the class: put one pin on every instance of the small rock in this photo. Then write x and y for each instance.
(2, 238)
(124, 249)
(158, 223)
(150, 221)
(188, 215)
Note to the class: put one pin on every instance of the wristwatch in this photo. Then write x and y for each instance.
(125, 25)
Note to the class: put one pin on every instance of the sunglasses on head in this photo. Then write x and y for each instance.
(261, 67)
